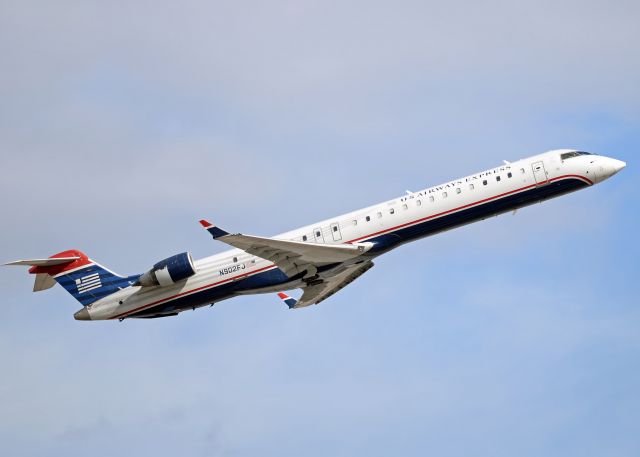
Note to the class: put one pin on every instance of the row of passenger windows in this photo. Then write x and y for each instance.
(235, 260)
(432, 198)
(485, 182)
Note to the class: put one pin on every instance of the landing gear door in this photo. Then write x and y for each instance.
(539, 173)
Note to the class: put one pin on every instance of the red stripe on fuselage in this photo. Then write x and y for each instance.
(182, 294)
(469, 205)
(433, 216)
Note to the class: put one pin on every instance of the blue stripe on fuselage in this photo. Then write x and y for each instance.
(473, 214)
(384, 243)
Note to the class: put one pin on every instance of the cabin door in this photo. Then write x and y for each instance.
(539, 173)
(335, 231)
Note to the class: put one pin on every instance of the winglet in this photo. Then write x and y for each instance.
(290, 302)
(216, 232)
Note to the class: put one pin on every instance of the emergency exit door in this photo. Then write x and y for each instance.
(335, 231)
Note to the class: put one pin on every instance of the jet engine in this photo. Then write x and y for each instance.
(169, 271)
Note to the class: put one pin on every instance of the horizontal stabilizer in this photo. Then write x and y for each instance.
(44, 262)
(86, 280)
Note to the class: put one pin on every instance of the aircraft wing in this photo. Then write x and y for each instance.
(292, 257)
(313, 295)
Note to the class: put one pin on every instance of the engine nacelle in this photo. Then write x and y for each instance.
(169, 271)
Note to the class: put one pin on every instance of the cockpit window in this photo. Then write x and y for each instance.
(568, 155)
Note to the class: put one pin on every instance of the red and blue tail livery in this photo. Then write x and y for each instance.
(83, 278)
(320, 258)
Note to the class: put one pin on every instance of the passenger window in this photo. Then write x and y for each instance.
(304, 237)
(471, 186)
(318, 234)
(444, 195)
(458, 190)
(379, 214)
(431, 198)
(522, 170)
(497, 178)
(391, 210)
(509, 175)
(405, 206)
(235, 260)
(368, 218)
(335, 228)
(418, 202)
(484, 183)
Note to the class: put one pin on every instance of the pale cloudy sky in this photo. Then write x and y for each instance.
(123, 123)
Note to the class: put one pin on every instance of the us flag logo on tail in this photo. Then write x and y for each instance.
(89, 282)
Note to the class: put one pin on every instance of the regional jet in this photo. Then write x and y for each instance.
(320, 258)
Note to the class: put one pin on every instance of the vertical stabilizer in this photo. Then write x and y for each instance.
(83, 278)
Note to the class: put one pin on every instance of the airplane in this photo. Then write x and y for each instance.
(321, 258)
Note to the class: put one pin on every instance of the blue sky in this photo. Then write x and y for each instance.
(123, 123)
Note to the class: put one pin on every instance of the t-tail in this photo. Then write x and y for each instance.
(83, 278)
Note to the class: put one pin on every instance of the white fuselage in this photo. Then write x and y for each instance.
(388, 224)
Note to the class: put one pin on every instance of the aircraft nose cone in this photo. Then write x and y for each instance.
(82, 315)
(618, 165)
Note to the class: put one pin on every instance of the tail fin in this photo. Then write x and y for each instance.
(83, 278)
